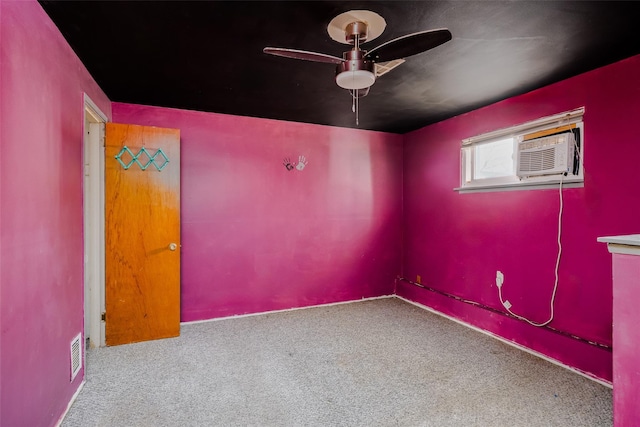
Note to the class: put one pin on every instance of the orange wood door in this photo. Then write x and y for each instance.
(142, 214)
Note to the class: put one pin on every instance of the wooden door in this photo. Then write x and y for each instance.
(142, 214)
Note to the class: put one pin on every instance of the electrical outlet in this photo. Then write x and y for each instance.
(499, 278)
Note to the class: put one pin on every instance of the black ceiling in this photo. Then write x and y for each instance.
(207, 56)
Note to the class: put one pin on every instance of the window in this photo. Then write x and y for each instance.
(536, 154)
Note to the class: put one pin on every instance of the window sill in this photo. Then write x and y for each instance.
(530, 184)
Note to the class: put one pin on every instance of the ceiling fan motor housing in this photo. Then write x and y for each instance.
(355, 72)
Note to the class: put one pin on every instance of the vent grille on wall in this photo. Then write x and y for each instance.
(76, 356)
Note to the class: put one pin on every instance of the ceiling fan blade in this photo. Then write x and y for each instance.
(383, 68)
(302, 54)
(408, 45)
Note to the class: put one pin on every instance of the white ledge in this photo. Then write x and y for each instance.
(520, 185)
(628, 244)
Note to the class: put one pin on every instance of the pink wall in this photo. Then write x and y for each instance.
(41, 245)
(256, 237)
(456, 242)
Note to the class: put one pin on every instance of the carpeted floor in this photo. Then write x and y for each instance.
(373, 363)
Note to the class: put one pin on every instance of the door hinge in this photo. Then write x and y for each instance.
(103, 316)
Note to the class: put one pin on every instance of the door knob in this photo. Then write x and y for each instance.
(173, 246)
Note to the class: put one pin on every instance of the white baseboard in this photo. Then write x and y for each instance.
(511, 343)
(239, 316)
(73, 399)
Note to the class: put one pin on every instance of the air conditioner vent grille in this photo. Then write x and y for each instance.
(537, 160)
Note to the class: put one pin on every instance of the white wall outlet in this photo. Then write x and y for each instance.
(499, 278)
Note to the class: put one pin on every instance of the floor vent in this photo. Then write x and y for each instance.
(76, 356)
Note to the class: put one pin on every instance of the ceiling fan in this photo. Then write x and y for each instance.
(358, 69)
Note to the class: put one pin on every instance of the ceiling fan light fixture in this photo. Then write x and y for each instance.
(355, 72)
(355, 79)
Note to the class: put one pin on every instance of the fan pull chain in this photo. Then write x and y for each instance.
(355, 105)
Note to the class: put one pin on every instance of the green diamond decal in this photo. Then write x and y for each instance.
(143, 158)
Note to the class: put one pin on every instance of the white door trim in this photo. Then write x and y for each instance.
(94, 241)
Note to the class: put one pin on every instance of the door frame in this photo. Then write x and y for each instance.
(93, 222)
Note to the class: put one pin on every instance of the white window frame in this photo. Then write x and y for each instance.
(513, 182)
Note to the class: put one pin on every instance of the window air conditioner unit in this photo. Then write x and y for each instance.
(549, 155)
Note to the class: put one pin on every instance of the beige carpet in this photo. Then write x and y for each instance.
(373, 363)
